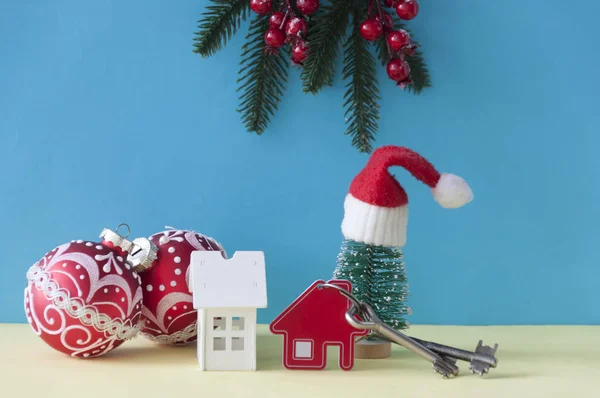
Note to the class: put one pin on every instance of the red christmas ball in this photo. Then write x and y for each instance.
(299, 52)
(391, 3)
(168, 315)
(388, 21)
(261, 7)
(407, 9)
(398, 39)
(296, 27)
(307, 7)
(371, 29)
(83, 299)
(276, 19)
(398, 70)
(275, 37)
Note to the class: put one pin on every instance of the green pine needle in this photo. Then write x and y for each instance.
(378, 278)
(418, 73)
(263, 77)
(418, 69)
(326, 31)
(361, 98)
(219, 23)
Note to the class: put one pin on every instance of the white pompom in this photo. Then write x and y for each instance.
(452, 191)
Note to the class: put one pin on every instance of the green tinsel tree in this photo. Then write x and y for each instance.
(378, 278)
(336, 25)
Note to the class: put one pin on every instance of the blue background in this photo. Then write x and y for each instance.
(106, 116)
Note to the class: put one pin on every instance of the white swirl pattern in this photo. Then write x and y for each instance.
(60, 304)
(179, 337)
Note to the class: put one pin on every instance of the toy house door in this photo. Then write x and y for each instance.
(229, 339)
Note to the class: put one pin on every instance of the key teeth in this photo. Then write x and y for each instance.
(479, 368)
(484, 349)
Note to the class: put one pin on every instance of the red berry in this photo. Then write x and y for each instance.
(296, 27)
(398, 70)
(261, 7)
(388, 21)
(307, 7)
(275, 37)
(398, 39)
(299, 52)
(276, 19)
(371, 29)
(407, 9)
(391, 3)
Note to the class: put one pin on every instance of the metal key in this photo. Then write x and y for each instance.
(480, 360)
(370, 321)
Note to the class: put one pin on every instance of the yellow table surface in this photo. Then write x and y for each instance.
(534, 361)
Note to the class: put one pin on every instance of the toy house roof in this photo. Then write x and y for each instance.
(309, 304)
(240, 281)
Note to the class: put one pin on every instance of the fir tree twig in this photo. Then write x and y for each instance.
(327, 29)
(361, 98)
(263, 77)
(219, 23)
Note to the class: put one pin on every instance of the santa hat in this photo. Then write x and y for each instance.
(376, 206)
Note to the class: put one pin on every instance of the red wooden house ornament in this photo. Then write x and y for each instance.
(315, 320)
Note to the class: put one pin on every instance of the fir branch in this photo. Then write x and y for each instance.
(418, 68)
(327, 29)
(361, 98)
(219, 23)
(389, 287)
(418, 73)
(262, 78)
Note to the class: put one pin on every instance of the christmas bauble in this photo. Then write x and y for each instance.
(274, 37)
(407, 9)
(398, 39)
(260, 7)
(371, 29)
(307, 7)
(82, 298)
(168, 315)
(398, 70)
(276, 19)
(299, 52)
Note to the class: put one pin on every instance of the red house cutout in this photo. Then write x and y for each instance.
(315, 320)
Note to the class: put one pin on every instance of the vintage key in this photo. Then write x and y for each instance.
(369, 320)
(480, 360)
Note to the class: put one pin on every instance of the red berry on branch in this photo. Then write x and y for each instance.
(398, 70)
(261, 7)
(391, 3)
(296, 27)
(407, 9)
(275, 37)
(276, 19)
(299, 52)
(388, 21)
(398, 39)
(371, 29)
(307, 7)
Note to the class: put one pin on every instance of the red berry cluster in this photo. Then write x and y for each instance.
(399, 43)
(287, 27)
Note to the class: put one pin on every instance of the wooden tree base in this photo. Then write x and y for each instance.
(372, 349)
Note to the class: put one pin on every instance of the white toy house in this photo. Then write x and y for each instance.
(227, 293)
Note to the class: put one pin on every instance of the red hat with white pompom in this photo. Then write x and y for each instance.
(376, 206)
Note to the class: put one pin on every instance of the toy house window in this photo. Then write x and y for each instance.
(237, 323)
(303, 349)
(219, 344)
(237, 344)
(218, 323)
